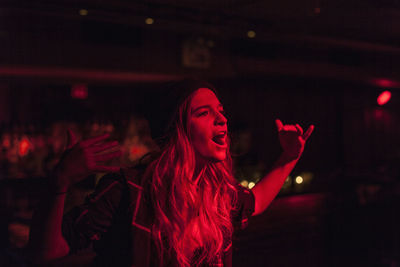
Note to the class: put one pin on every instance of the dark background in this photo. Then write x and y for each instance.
(310, 62)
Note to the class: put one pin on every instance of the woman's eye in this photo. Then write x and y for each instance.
(204, 113)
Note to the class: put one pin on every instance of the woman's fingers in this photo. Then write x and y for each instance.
(309, 131)
(299, 129)
(279, 124)
(107, 156)
(94, 140)
(294, 128)
(103, 147)
(289, 128)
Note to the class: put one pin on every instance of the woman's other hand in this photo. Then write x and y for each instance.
(81, 159)
(292, 139)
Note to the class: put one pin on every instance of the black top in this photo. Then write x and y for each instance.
(116, 222)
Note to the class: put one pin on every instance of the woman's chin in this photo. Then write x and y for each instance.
(215, 156)
(219, 157)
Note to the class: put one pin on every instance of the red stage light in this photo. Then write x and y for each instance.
(79, 91)
(384, 97)
(24, 147)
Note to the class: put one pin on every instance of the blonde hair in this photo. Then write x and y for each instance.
(192, 214)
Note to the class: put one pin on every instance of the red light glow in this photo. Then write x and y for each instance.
(384, 97)
(79, 91)
(137, 150)
(384, 83)
(6, 142)
(24, 147)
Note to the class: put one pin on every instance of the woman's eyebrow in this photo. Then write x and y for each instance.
(200, 107)
(205, 106)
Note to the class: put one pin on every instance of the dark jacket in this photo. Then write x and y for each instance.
(115, 221)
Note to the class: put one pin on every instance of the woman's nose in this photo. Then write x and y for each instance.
(220, 119)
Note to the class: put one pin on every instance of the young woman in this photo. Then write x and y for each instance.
(180, 208)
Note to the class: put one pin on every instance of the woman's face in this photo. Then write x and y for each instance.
(207, 126)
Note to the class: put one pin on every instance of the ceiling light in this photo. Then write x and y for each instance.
(251, 34)
(149, 21)
(83, 12)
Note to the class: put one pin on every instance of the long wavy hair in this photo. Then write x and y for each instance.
(192, 214)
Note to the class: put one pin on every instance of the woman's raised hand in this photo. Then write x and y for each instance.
(292, 139)
(80, 159)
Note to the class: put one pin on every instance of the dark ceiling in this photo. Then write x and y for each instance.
(360, 35)
(376, 22)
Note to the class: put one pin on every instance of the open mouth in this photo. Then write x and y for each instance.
(220, 139)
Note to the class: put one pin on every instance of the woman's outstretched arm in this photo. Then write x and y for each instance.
(45, 240)
(81, 159)
(292, 140)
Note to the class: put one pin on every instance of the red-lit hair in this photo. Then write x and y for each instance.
(192, 214)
